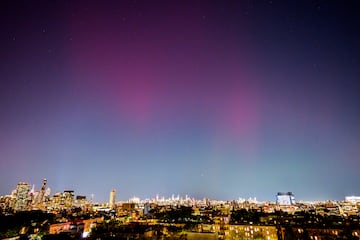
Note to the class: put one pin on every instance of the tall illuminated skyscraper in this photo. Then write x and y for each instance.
(40, 197)
(22, 196)
(112, 198)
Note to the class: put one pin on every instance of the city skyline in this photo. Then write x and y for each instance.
(38, 194)
(206, 98)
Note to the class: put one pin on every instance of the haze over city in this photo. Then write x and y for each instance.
(215, 99)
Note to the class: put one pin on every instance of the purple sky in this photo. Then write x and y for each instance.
(217, 99)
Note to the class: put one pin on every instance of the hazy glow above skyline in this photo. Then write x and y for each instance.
(209, 99)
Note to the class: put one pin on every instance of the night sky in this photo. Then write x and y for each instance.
(216, 99)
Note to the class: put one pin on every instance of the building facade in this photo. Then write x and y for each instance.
(112, 198)
(22, 196)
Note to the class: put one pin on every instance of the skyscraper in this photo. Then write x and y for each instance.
(112, 198)
(40, 197)
(22, 196)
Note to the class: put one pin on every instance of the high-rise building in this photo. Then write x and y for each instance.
(22, 196)
(80, 201)
(56, 200)
(112, 198)
(68, 197)
(47, 193)
(285, 198)
(40, 198)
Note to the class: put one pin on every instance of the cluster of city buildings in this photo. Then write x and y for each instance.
(25, 198)
(237, 219)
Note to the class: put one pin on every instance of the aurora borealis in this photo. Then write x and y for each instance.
(217, 99)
